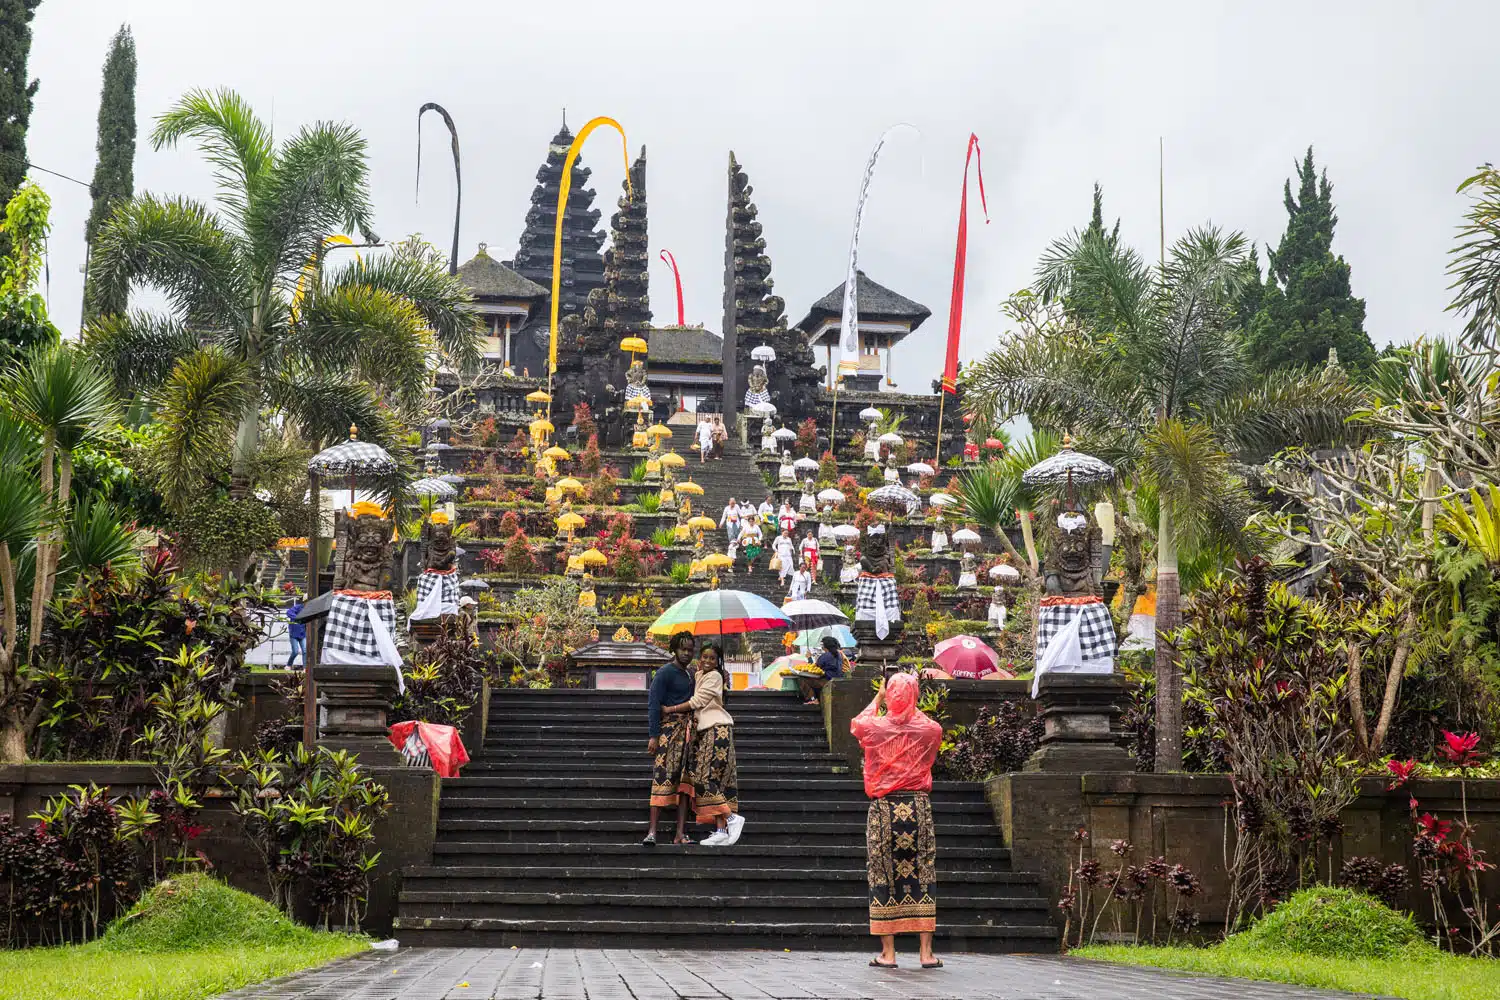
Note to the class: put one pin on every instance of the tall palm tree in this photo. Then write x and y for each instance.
(248, 281)
(61, 396)
(1152, 376)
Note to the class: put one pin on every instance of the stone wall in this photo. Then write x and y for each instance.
(1184, 818)
(403, 838)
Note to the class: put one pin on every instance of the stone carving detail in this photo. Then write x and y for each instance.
(440, 551)
(1071, 539)
(365, 543)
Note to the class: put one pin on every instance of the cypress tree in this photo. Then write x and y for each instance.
(15, 96)
(1306, 307)
(114, 172)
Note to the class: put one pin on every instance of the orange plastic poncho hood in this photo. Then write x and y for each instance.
(901, 745)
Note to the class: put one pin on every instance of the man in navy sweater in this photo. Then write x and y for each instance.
(672, 685)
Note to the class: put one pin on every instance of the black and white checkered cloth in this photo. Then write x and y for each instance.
(752, 398)
(875, 600)
(352, 458)
(448, 581)
(1096, 630)
(415, 750)
(349, 629)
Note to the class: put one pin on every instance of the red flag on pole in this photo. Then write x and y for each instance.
(666, 255)
(956, 303)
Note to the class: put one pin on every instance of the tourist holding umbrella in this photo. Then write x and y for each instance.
(671, 736)
(711, 772)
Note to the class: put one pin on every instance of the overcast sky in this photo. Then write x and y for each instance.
(1392, 95)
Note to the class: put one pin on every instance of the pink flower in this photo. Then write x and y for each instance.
(1460, 748)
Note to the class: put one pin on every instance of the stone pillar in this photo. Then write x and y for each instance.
(875, 652)
(1079, 713)
(354, 706)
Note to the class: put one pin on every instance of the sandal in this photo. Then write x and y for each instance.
(936, 963)
(649, 840)
(876, 963)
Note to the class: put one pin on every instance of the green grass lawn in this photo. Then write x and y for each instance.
(90, 972)
(1423, 974)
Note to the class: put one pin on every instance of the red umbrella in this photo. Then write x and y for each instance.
(966, 658)
(993, 443)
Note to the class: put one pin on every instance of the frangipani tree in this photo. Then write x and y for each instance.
(1151, 375)
(259, 324)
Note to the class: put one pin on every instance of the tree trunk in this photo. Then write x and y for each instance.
(246, 440)
(1168, 671)
(39, 583)
(1357, 701)
(1399, 656)
(12, 739)
(54, 547)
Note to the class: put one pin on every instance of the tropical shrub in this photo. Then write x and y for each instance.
(220, 533)
(583, 422)
(1001, 740)
(542, 623)
(444, 677)
(649, 503)
(111, 646)
(828, 467)
(807, 438)
(311, 819)
(1333, 923)
(1157, 885)
(590, 461)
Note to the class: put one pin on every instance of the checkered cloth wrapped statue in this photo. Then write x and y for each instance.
(361, 626)
(1074, 630)
(437, 595)
(875, 597)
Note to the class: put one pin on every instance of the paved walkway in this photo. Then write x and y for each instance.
(579, 974)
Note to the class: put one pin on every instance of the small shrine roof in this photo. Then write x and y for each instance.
(692, 345)
(487, 278)
(875, 302)
(608, 651)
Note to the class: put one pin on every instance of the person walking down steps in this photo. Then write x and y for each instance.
(712, 773)
(900, 744)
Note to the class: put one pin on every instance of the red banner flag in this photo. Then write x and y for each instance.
(956, 303)
(666, 255)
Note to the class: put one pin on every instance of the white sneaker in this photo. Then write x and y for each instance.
(736, 824)
(715, 839)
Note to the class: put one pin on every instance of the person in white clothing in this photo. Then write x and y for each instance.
(786, 556)
(705, 439)
(801, 584)
(729, 520)
(786, 518)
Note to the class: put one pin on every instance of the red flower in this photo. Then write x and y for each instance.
(1437, 829)
(1461, 747)
(1401, 772)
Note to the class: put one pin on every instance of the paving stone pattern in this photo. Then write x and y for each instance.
(577, 974)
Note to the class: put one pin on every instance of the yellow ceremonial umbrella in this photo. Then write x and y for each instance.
(659, 431)
(557, 453)
(673, 460)
(569, 522)
(593, 557)
(541, 425)
(688, 486)
(716, 560)
(635, 345)
(701, 522)
(638, 403)
(569, 484)
(539, 396)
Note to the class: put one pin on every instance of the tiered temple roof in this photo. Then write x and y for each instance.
(582, 264)
(623, 306)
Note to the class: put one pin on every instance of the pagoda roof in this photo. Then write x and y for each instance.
(487, 278)
(692, 345)
(876, 302)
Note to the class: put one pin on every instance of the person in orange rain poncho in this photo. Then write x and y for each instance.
(900, 745)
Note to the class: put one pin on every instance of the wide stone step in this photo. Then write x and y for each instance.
(653, 868)
(703, 906)
(474, 851)
(574, 698)
(579, 785)
(791, 766)
(761, 831)
(831, 935)
(584, 730)
(636, 715)
(503, 739)
(544, 806)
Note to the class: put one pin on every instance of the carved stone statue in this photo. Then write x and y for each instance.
(1070, 541)
(440, 551)
(574, 566)
(757, 391)
(876, 557)
(786, 473)
(366, 546)
(586, 596)
(668, 492)
(848, 563)
(635, 381)
(939, 535)
(998, 607)
(638, 437)
(968, 576)
(892, 474)
(681, 532)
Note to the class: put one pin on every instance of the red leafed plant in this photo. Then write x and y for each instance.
(1449, 866)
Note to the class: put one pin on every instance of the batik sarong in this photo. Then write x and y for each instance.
(901, 849)
(669, 776)
(713, 775)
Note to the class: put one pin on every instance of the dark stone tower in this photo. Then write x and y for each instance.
(753, 315)
(582, 265)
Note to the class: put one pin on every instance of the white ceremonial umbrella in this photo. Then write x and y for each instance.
(919, 469)
(831, 495)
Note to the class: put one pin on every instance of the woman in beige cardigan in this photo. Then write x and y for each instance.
(712, 771)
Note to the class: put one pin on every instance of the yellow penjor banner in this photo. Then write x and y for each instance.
(562, 204)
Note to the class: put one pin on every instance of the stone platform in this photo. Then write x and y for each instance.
(567, 974)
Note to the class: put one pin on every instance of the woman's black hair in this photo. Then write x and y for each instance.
(719, 659)
(677, 641)
(831, 644)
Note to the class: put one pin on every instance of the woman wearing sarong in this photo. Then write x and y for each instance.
(752, 539)
(711, 771)
(671, 738)
(900, 745)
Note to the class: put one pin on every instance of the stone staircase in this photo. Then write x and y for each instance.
(734, 475)
(538, 843)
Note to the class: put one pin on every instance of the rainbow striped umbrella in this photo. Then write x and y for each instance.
(720, 612)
